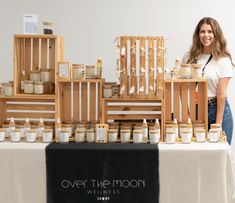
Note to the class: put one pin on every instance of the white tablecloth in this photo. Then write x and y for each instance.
(189, 173)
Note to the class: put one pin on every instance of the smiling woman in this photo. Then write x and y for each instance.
(209, 47)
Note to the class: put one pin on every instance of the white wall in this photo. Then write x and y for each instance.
(89, 27)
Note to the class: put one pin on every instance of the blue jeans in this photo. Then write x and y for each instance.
(227, 124)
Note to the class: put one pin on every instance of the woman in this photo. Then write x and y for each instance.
(209, 47)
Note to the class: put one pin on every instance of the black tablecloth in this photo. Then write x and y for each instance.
(89, 172)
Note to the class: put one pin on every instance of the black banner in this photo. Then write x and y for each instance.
(110, 173)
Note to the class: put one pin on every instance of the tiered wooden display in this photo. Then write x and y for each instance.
(32, 52)
(181, 100)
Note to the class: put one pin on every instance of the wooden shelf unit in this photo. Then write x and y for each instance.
(182, 97)
(79, 101)
(35, 52)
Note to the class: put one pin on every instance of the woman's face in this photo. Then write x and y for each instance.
(206, 37)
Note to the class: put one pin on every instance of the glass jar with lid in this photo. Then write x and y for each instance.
(47, 27)
(8, 89)
(28, 87)
(38, 87)
(185, 71)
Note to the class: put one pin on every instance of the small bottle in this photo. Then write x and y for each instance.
(40, 127)
(26, 126)
(99, 66)
(157, 126)
(11, 126)
(190, 126)
(22, 79)
(57, 129)
(145, 131)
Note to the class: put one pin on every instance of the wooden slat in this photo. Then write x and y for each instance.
(193, 101)
(43, 53)
(176, 103)
(151, 66)
(30, 115)
(184, 100)
(133, 108)
(168, 101)
(133, 117)
(35, 54)
(29, 107)
(202, 107)
(133, 82)
(142, 76)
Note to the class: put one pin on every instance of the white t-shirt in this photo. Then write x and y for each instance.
(214, 70)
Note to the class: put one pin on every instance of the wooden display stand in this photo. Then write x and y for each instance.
(132, 110)
(21, 107)
(36, 52)
(79, 100)
(142, 61)
(181, 100)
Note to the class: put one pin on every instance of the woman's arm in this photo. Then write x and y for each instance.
(221, 94)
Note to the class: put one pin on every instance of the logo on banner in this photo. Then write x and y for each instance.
(103, 189)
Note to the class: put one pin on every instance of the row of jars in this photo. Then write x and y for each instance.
(185, 132)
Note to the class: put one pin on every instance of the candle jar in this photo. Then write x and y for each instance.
(47, 28)
(80, 134)
(45, 75)
(15, 135)
(186, 136)
(47, 135)
(112, 135)
(28, 87)
(125, 135)
(8, 89)
(2, 134)
(38, 88)
(213, 135)
(154, 136)
(200, 135)
(170, 137)
(31, 135)
(90, 135)
(35, 76)
(196, 71)
(107, 90)
(137, 136)
(64, 135)
(185, 71)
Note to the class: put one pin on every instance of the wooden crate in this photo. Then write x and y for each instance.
(142, 60)
(132, 110)
(21, 107)
(79, 100)
(180, 100)
(35, 52)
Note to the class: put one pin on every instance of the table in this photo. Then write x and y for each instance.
(195, 173)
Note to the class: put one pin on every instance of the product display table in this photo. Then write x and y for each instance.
(188, 173)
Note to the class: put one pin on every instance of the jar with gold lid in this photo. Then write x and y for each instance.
(90, 135)
(28, 87)
(112, 135)
(38, 87)
(8, 89)
(196, 71)
(185, 71)
(35, 76)
(80, 135)
(108, 90)
(45, 75)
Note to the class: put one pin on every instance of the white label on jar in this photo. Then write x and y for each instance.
(64, 137)
(28, 88)
(107, 93)
(170, 138)
(213, 136)
(80, 136)
(137, 137)
(15, 136)
(200, 136)
(38, 89)
(90, 136)
(113, 136)
(125, 137)
(47, 136)
(2, 136)
(186, 137)
(31, 136)
(154, 137)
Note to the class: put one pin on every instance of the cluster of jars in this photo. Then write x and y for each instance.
(111, 90)
(84, 132)
(26, 132)
(136, 133)
(37, 82)
(80, 71)
(186, 71)
(186, 131)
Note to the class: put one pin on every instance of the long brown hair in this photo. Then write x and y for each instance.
(219, 46)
